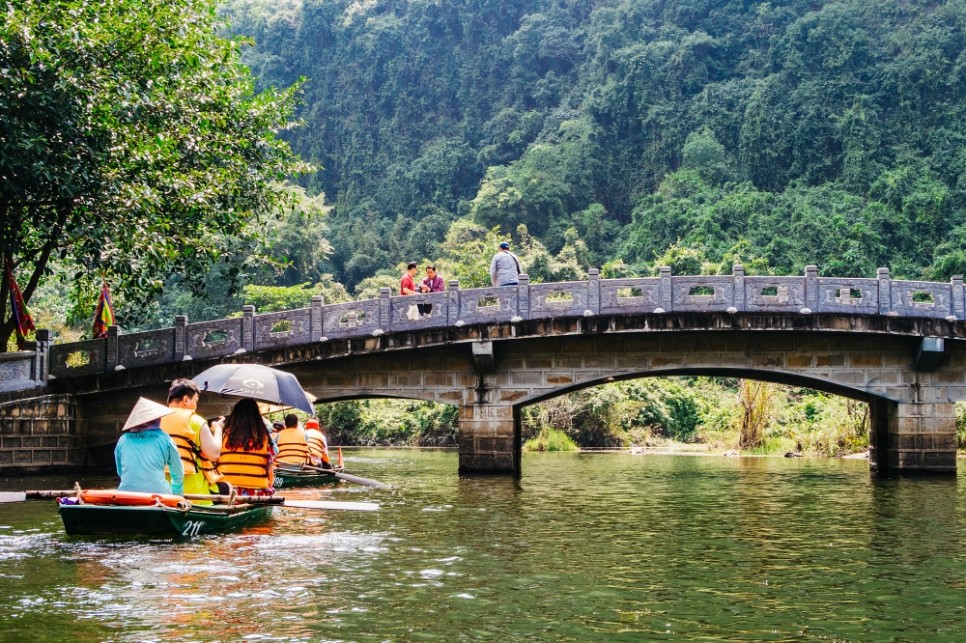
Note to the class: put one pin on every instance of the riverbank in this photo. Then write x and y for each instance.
(731, 453)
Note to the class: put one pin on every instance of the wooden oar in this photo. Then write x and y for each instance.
(289, 502)
(20, 496)
(347, 477)
(333, 505)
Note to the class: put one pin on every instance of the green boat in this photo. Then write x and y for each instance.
(289, 476)
(194, 520)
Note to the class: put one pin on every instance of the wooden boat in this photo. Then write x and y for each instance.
(288, 476)
(127, 515)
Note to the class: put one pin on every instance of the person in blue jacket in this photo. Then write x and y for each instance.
(144, 450)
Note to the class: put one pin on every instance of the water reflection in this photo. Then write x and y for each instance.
(581, 547)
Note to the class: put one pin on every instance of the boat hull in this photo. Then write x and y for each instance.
(288, 479)
(112, 520)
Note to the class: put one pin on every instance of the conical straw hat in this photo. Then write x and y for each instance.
(145, 411)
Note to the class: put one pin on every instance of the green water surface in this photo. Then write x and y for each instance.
(593, 547)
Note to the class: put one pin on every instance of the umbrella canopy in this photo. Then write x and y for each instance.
(256, 381)
(267, 407)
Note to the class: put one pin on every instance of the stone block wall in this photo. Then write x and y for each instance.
(489, 439)
(920, 437)
(41, 435)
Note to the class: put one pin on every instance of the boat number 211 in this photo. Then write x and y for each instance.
(191, 528)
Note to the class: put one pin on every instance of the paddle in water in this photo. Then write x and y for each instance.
(329, 505)
(336, 505)
(20, 496)
(347, 477)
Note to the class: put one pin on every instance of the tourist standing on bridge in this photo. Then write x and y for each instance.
(407, 285)
(505, 268)
(144, 450)
(198, 443)
(430, 283)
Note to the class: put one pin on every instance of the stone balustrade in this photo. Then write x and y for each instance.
(27, 368)
(666, 293)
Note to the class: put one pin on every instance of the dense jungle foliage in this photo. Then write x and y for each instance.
(775, 134)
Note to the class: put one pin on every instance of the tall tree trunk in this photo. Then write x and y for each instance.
(755, 400)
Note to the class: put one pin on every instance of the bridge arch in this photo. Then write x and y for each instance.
(912, 407)
(881, 407)
(762, 375)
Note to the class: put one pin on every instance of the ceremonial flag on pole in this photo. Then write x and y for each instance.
(17, 306)
(104, 314)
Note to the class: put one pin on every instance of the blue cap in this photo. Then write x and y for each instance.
(504, 245)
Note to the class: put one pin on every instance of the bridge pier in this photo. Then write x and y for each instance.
(917, 437)
(489, 439)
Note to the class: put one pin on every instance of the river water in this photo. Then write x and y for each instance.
(583, 547)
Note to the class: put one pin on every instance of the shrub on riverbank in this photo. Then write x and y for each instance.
(390, 423)
(550, 440)
(961, 425)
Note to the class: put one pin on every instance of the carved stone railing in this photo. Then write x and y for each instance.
(807, 294)
(27, 368)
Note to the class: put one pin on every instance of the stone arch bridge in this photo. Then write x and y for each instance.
(896, 345)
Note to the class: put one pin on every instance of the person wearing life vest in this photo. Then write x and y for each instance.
(277, 426)
(293, 448)
(198, 443)
(318, 445)
(247, 451)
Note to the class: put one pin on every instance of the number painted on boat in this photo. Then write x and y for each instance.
(191, 528)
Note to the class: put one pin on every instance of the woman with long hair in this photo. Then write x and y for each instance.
(246, 452)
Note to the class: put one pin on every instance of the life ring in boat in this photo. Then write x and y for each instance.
(129, 498)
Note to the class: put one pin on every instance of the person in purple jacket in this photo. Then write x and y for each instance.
(430, 283)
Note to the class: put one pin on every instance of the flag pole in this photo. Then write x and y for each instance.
(23, 322)
(104, 312)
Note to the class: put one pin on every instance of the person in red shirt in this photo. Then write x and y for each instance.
(407, 285)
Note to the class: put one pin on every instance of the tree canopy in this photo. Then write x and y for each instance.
(134, 144)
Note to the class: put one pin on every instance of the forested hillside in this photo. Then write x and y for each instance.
(693, 131)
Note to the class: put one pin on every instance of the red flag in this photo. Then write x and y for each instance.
(18, 307)
(104, 314)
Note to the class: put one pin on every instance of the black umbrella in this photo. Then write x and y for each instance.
(257, 382)
(265, 408)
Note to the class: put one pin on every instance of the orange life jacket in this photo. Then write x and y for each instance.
(317, 446)
(247, 469)
(178, 426)
(292, 447)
